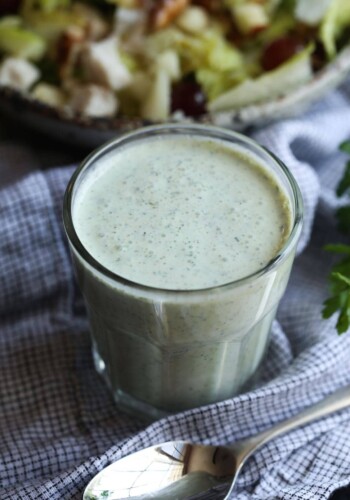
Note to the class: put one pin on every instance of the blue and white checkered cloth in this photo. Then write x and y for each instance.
(58, 423)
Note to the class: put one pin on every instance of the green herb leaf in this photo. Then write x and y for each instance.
(344, 184)
(340, 299)
(343, 218)
(343, 213)
(342, 280)
(345, 146)
(103, 495)
(331, 306)
(338, 248)
(343, 322)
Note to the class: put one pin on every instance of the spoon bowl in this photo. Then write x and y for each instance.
(169, 471)
(179, 470)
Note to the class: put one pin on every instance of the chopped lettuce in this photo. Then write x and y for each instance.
(50, 25)
(19, 42)
(128, 4)
(336, 19)
(233, 3)
(222, 56)
(161, 40)
(10, 21)
(215, 83)
(269, 5)
(280, 81)
(49, 18)
(283, 22)
(45, 5)
(217, 65)
(272, 5)
(129, 61)
(207, 50)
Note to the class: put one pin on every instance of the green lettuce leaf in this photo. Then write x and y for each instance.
(45, 5)
(208, 50)
(280, 81)
(337, 18)
(19, 42)
(215, 83)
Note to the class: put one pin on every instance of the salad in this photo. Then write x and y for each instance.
(157, 59)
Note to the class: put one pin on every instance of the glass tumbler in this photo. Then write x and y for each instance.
(160, 350)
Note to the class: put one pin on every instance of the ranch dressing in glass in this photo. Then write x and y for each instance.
(182, 238)
(182, 214)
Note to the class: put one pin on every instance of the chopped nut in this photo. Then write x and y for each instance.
(68, 48)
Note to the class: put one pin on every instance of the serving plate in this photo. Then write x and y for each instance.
(91, 132)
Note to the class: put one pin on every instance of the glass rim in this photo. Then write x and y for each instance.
(208, 131)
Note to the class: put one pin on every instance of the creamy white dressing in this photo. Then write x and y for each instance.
(181, 213)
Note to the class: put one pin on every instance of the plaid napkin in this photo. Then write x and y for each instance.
(59, 425)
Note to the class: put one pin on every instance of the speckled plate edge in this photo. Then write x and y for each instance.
(92, 132)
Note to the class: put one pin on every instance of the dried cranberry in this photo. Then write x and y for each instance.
(279, 51)
(9, 7)
(187, 96)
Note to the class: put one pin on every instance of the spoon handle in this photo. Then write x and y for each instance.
(336, 401)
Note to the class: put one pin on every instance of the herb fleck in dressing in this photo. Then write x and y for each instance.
(182, 214)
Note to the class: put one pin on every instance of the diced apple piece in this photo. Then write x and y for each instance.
(311, 12)
(93, 100)
(157, 103)
(18, 73)
(102, 64)
(170, 62)
(49, 94)
(250, 17)
(193, 20)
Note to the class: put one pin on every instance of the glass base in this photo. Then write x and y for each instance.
(196, 377)
(124, 401)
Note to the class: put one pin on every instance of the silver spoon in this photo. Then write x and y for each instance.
(179, 470)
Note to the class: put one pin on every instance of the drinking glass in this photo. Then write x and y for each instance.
(162, 351)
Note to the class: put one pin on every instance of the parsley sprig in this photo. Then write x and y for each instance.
(340, 275)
